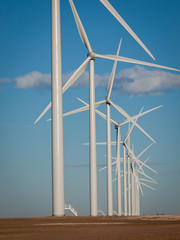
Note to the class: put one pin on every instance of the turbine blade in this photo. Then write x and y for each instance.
(132, 126)
(141, 189)
(114, 180)
(125, 25)
(97, 104)
(140, 168)
(134, 117)
(127, 116)
(72, 79)
(144, 150)
(139, 161)
(82, 109)
(111, 80)
(146, 176)
(97, 111)
(76, 74)
(130, 60)
(133, 156)
(104, 143)
(148, 186)
(143, 179)
(101, 143)
(80, 27)
(102, 168)
(42, 114)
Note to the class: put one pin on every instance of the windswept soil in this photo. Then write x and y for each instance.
(91, 228)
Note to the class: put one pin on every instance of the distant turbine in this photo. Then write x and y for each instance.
(118, 126)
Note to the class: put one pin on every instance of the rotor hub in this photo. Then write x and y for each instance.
(108, 100)
(92, 54)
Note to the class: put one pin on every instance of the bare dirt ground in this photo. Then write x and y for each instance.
(92, 228)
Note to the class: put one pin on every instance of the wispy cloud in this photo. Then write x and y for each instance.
(133, 81)
(140, 81)
(33, 80)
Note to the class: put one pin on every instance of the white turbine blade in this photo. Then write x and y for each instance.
(80, 27)
(125, 25)
(76, 74)
(148, 186)
(101, 169)
(83, 101)
(42, 114)
(105, 117)
(97, 104)
(111, 80)
(134, 157)
(132, 126)
(101, 143)
(144, 164)
(106, 166)
(140, 168)
(131, 119)
(72, 79)
(144, 150)
(130, 60)
(146, 180)
(142, 114)
(138, 161)
(97, 111)
(104, 143)
(146, 176)
(114, 180)
(113, 163)
(137, 181)
(82, 109)
(141, 189)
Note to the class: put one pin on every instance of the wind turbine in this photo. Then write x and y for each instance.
(117, 143)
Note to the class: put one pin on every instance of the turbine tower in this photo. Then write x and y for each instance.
(57, 114)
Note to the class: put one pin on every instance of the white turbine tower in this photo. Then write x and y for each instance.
(57, 119)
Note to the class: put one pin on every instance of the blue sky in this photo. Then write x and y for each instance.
(25, 154)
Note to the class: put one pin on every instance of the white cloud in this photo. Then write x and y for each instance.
(133, 81)
(140, 81)
(33, 80)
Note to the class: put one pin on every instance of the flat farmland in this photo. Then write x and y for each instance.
(91, 228)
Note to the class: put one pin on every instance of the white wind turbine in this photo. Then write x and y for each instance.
(136, 185)
(135, 180)
(124, 169)
(57, 122)
(118, 125)
(130, 174)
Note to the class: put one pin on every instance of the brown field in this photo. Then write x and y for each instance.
(91, 228)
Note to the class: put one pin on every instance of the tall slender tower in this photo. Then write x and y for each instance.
(57, 113)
